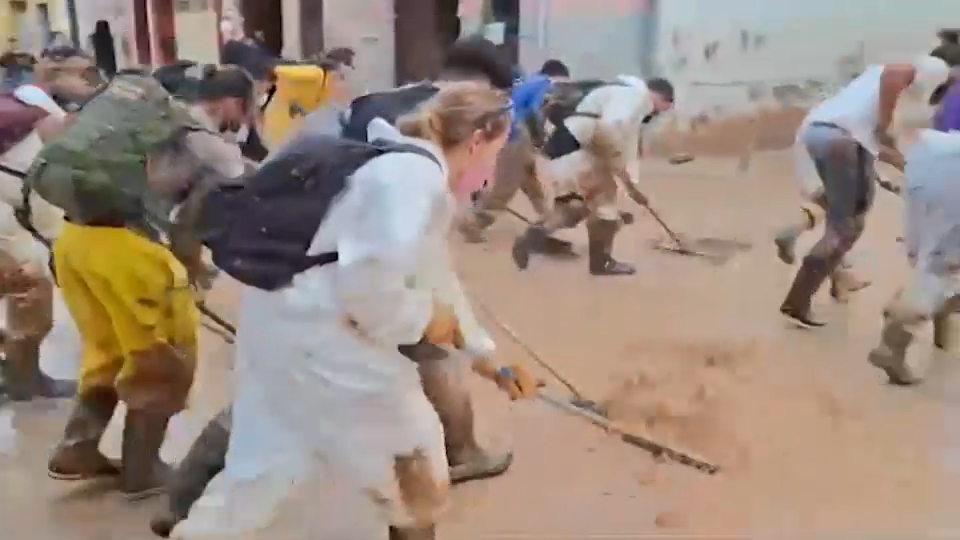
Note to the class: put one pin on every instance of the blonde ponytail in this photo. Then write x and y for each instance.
(457, 111)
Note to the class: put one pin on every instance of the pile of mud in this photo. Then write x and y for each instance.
(684, 396)
(797, 454)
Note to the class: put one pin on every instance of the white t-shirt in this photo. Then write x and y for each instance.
(856, 106)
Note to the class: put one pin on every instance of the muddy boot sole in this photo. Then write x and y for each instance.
(800, 319)
(489, 466)
(163, 526)
(897, 371)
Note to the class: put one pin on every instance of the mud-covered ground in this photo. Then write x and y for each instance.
(811, 440)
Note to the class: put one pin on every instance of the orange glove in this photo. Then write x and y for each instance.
(443, 328)
(517, 382)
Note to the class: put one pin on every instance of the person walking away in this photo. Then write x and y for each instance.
(841, 139)
(593, 144)
(117, 169)
(517, 167)
(370, 301)
(104, 48)
(932, 238)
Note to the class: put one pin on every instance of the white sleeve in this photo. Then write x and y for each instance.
(450, 291)
(621, 117)
(379, 248)
(33, 95)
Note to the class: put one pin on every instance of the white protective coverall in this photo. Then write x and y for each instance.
(60, 350)
(310, 388)
(932, 222)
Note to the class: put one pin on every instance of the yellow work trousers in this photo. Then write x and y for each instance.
(133, 306)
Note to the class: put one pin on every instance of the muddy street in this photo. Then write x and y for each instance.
(810, 439)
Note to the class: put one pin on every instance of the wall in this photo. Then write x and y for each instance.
(119, 14)
(598, 38)
(196, 28)
(727, 55)
(367, 27)
(25, 25)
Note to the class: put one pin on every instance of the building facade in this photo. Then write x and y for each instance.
(30, 25)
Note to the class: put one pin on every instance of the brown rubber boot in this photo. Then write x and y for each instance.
(843, 283)
(796, 306)
(532, 240)
(206, 458)
(427, 533)
(142, 473)
(23, 379)
(600, 235)
(891, 355)
(78, 455)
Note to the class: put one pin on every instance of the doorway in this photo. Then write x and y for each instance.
(166, 31)
(141, 31)
(419, 48)
(263, 20)
(507, 12)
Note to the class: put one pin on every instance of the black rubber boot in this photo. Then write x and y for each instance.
(428, 533)
(204, 461)
(796, 306)
(78, 455)
(23, 379)
(600, 235)
(531, 241)
(891, 354)
(142, 473)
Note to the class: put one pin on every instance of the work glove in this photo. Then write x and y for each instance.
(443, 328)
(515, 380)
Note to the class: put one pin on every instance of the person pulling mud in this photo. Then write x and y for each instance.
(932, 239)
(117, 168)
(596, 128)
(841, 139)
(469, 60)
(520, 166)
(367, 355)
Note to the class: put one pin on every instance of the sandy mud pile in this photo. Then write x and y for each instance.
(795, 453)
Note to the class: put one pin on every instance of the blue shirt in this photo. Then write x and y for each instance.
(527, 99)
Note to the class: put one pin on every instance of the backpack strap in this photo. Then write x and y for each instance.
(385, 147)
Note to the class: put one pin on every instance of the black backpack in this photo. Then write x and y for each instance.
(388, 105)
(259, 231)
(560, 103)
